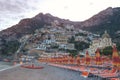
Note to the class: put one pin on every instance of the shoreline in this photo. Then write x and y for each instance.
(47, 73)
(10, 67)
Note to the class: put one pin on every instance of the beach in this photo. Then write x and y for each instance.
(47, 73)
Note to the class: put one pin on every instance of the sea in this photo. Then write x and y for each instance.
(5, 65)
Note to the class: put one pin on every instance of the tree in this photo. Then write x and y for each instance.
(118, 46)
(2, 46)
(107, 51)
(11, 47)
(81, 34)
(81, 45)
(72, 39)
(72, 52)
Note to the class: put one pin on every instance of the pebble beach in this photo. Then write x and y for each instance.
(47, 73)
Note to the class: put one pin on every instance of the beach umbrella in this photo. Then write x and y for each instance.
(115, 57)
(87, 58)
(71, 59)
(66, 59)
(59, 60)
(119, 63)
(78, 59)
(98, 58)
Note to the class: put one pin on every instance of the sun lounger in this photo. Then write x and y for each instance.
(94, 70)
(115, 79)
(82, 68)
(111, 73)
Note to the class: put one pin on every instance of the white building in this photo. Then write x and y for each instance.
(41, 47)
(69, 46)
(26, 58)
(49, 41)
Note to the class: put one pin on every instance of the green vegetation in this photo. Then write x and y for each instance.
(80, 34)
(106, 51)
(71, 40)
(109, 50)
(78, 46)
(118, 46)
(9, 48)
(73, 52)
(81, 45)
(54, 46)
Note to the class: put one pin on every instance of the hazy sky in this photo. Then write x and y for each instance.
(12, 11)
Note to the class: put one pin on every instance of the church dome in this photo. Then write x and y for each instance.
(105, 35)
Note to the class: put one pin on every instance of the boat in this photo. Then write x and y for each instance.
(32, 67)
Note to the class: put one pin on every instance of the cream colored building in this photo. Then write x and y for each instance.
(61, 38)
(100, 43)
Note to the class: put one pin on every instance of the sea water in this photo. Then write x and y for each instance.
(5, 65)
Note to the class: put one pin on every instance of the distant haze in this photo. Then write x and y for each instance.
(12, 11)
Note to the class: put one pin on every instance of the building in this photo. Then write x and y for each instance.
(49, 41)
(79, 38)
(69, 27)
(40, 47)
(61, 38)
(100, 43)
(69, 46)
(26, 58)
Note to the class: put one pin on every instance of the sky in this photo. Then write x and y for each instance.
(12, 11)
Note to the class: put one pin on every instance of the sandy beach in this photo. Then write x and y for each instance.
(47, 73)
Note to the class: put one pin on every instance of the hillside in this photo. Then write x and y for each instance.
(108, 19)
(29, 25)
(9, 38)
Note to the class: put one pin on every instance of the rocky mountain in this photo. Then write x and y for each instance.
(108, 19)
(29, 25)
(9, 37)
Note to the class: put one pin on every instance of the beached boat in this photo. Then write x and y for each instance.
(32, 67)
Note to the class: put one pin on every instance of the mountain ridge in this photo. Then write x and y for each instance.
(97, 23)
(28, 25)
(108, 19)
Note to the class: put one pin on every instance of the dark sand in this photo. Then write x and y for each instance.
(47, 73)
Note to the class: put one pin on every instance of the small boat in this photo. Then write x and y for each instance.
(32, 67)
(6, 60)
